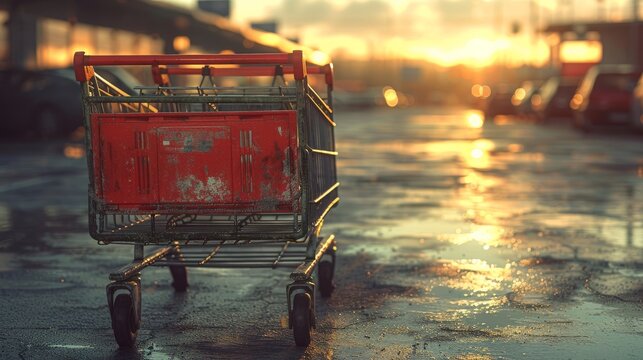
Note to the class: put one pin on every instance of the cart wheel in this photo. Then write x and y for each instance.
(123, 322)
(301, 319)
(325, 274)
(179, 278)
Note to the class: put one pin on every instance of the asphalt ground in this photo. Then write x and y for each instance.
(510, 240)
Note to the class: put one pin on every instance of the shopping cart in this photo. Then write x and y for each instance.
(212, 176)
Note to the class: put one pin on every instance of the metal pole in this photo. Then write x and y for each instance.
(634, 35)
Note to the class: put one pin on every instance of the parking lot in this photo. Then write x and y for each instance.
(510, 240)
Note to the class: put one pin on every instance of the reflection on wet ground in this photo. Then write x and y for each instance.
(507, 233)
(458, 239)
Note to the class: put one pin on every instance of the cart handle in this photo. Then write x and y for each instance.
(84, 72)
(158, 72)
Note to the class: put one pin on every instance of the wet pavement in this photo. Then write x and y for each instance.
(509, 240)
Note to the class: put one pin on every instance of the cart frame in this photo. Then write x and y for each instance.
(208, 234)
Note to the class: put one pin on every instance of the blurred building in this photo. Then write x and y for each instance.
(219, 7)
(45, 33)
(267, 26)
(576, 45)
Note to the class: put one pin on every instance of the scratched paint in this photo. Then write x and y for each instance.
(192, 188)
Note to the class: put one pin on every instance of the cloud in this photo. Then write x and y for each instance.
(396, 26)
(357, 18)
(410, 18)
(299, 13)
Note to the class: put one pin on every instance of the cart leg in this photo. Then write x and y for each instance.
(301, 310)
(179, 272)
(326, 271)
(124, 301)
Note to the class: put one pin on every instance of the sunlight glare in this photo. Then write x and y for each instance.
(581, 51)
(475, 120)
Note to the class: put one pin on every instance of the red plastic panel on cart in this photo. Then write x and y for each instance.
(222, 161)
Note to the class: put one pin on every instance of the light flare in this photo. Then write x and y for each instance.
(181, 43)
(576, 101)
(74, 151)
(475, 120)
(518, 96)
(390, 97)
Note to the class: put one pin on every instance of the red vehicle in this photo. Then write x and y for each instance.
(234, 177)
(604, 97)
(637, 106)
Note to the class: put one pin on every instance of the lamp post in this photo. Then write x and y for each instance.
(634, 35)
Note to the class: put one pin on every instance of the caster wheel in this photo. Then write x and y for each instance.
(325, 273)
(123, 321)
(179, 278)
(301, 319)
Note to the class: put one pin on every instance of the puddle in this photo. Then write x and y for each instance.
(74, 347)
(16, 284)
(26, 229)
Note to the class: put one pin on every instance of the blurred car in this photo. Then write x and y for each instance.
(521, 99)
(499, 102)
(117, 76)
(604, 97)
(46, 104)
(552, 100)
(637, 106)
(40, 104)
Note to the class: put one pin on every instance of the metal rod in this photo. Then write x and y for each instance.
(323, 215)
(107, 60)
(192, 99)
(212, 253)
(324, 152)
(321, 111)
(322, 196)
(139, 252)
(234, 265)
(281, 254)
(137, 266)
(303, 271)
(321, 101)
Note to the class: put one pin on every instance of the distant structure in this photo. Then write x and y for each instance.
(45, 33)
(267, 26)
(621, 41)
(219, 7)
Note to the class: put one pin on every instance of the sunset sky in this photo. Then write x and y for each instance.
(447, 32)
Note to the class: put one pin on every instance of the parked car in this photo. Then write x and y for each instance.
(552, 101)
(40, 104)
(637, 106)
(604, 97)
(46, 104)
(499, 102)
(521, 99)
(117, 76)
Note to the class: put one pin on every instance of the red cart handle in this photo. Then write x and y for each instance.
(83, 72)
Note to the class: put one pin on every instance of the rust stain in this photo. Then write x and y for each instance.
(213, 189)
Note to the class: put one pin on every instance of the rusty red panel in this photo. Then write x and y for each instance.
(221, 162)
